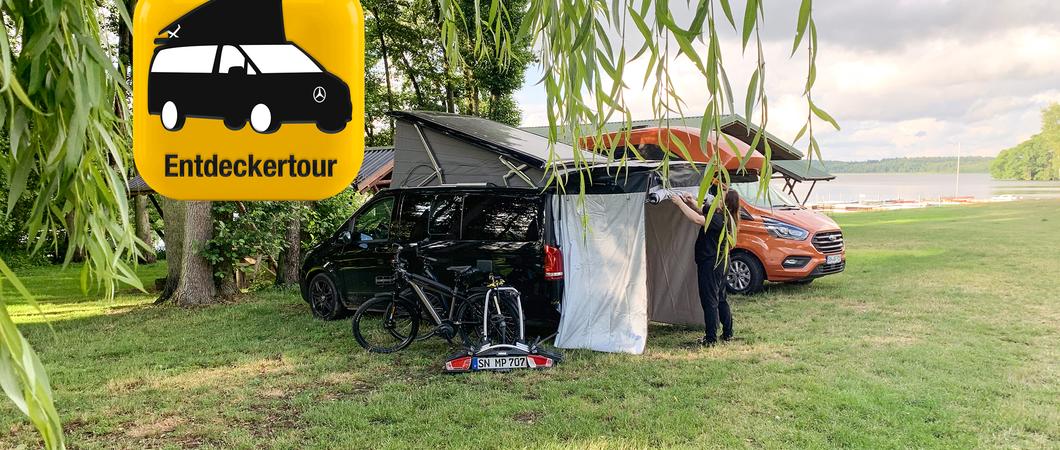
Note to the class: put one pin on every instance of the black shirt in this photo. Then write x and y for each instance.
(707, 241)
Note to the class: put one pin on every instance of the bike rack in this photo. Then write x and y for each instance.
(485, 307)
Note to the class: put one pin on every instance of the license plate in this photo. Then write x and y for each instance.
(500, 363)
(833, 259)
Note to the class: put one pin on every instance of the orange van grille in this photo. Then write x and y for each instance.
(828, 242)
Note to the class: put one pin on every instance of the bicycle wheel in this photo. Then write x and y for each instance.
(503, 319)
(385, 325)
(425, 317)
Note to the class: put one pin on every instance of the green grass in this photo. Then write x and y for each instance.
(943, 332)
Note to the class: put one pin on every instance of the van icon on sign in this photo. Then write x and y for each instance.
(221, 61)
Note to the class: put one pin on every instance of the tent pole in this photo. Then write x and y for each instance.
(518, 171)
(430, 154)
(807, 198)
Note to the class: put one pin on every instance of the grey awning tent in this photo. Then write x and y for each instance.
(731, 124)
(802, 170)
(794, 172)
(787, 161)
(626, 251)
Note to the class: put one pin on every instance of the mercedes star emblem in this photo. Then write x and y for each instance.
(319, 94)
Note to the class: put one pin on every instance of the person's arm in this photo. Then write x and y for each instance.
(689, 213)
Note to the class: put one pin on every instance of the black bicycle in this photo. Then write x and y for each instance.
(389, 323)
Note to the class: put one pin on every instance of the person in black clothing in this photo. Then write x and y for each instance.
(710, 262)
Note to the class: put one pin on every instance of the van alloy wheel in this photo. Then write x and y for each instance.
(746, 274)
(739, 275)
(324, 298)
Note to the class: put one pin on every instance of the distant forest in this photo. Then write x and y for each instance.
(931, 164)
(1037, 158)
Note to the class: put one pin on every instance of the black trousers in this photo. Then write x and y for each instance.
(714, 298)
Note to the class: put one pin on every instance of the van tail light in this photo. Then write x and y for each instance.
(553, 263)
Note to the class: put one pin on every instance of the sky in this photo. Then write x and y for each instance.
(904, 78)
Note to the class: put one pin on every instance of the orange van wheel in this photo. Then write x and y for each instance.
(746, 274)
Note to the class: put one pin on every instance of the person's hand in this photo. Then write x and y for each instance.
(677, 199)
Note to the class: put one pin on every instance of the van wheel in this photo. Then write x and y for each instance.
(262, 120)
(746, 275)
(331, 127)
(172, 117)
(324, 298)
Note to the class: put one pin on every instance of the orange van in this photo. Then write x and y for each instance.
(778, 239)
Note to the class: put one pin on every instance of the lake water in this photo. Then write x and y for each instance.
(853, 187)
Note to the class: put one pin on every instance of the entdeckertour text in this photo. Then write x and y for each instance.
(249, 167)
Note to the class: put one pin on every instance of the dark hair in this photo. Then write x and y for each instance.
(732, 205)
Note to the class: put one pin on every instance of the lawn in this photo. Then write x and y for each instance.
(943, 332)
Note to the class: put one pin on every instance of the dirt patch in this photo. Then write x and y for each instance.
(154, 428)
(893, 340)
(227, 375)
(527, 417)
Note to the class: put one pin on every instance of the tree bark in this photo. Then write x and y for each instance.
(196, 286)
(291, 256)
(173, 210)
(386, 63)
(144, 231)
(76, 254)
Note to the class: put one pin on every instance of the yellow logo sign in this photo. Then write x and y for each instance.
(248, 100)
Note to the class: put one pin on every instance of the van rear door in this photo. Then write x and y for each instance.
(507, 229)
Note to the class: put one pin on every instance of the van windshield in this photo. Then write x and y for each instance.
(775, 198)
(280, 58)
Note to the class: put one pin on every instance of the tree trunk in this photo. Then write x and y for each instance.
(76, 254)
(144, 231)
(291, 256)
(173, 210)
(196, 285)
(420, 102)
(450, 99)
(386, 63)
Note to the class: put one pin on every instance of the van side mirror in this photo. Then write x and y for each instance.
(345, 236)
(237, 71)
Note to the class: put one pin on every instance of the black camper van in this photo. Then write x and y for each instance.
(450, 226)
(241, 71)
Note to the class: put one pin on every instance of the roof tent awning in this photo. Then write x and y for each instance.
(525, 147)
(634, 176)
(228, 22)
(732, 124)
(802, 170)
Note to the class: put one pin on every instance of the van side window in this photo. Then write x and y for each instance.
(412, 217)
(231, 58)
(501, 218)
(374, 223)
(190, 59)
(445, 218)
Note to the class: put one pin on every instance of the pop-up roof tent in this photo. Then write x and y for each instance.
(629, 262)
